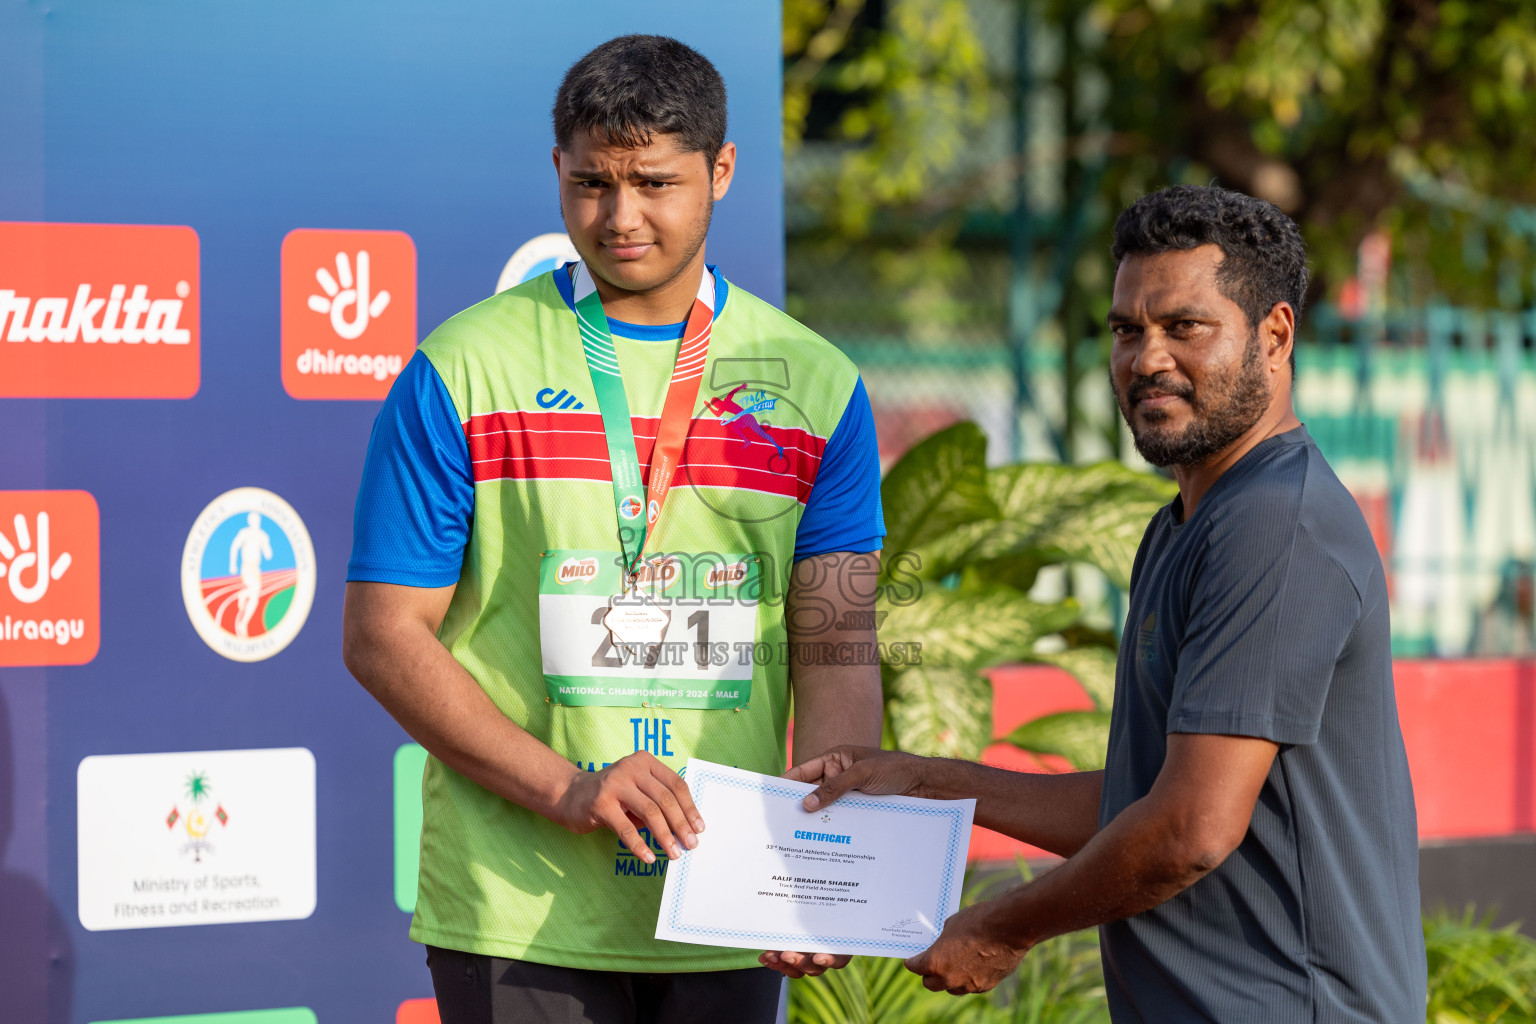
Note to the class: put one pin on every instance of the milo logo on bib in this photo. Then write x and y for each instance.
(658, 574)
(725, 575)
(576, 570)
(700, 656)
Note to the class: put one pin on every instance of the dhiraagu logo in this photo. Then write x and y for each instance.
(289, 1015)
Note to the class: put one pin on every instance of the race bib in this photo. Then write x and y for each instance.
(685, 633)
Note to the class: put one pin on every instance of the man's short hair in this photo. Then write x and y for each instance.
(633, 88)
(1266, 259)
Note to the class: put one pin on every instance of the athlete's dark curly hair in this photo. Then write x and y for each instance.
(635, 87)
(1266, 259)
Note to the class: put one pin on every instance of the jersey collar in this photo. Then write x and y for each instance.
(642, 332)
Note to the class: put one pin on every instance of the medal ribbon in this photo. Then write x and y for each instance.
(613, 404)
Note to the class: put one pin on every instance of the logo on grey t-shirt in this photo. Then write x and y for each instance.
(1146, 642)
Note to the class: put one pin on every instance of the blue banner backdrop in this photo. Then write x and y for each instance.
(246, 121)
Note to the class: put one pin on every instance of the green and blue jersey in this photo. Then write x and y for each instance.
(490, 452)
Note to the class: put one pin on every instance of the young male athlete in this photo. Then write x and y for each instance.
(563, 599)
(1250, 849)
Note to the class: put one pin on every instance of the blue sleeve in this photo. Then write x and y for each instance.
(418, 494)
(843, 510)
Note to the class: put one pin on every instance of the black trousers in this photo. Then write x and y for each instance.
(475, 989)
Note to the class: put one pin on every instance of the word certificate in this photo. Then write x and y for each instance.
(873, 875)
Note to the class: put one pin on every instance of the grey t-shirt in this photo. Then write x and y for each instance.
(1265, 614)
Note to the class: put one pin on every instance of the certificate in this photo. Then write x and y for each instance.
(873, 875)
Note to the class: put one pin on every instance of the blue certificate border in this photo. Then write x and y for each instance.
(699, 783)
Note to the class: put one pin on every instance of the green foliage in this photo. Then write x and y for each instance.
(1050, 514)
(1479, 973)
(940, 712)
(1060, 982)
(1404, 116)
(976, 539)
(975, 628)
(1341, 111)
(1078, 736)
(915, 93)
(940, 484)
(1091, 662)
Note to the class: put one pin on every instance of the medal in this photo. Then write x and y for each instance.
(633, 618)
(635, 621)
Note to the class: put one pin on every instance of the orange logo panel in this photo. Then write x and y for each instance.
(349, 312)
(417, 1011)
(50, 578)
(98, 311)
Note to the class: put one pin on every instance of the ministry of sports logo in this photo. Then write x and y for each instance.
(248, 574)
(195, 819)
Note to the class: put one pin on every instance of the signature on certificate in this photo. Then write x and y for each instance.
(906, 926)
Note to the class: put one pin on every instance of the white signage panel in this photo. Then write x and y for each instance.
(207, 837)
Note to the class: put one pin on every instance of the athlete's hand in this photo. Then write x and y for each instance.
(634, 792)
(863, 768)
(803, 965)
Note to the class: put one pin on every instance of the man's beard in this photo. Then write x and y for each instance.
(1213, 427)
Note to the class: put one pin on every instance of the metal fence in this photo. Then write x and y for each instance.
(1428, 416)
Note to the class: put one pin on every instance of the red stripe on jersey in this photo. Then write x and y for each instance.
(571, 446)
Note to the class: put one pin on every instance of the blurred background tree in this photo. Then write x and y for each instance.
(954, 166)
(1404, 116)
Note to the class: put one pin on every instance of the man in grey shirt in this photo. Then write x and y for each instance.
(1250, 850)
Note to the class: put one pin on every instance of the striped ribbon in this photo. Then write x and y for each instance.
(676, 412)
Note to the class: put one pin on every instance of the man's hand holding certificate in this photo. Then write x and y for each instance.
(875, 875)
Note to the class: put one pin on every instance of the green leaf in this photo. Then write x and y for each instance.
(1092, 667)
(940, 484)
(976, 628)
(1051, 513)
(1082, 737)
(1017, 571)
(940, 712)
(1478, 972)
(870, 990)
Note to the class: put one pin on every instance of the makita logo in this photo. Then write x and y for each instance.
(117, 318)
(98, 311)
(576, 570)
(725, 575)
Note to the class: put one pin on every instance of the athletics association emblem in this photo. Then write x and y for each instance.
(749, 435)
(740, 418)
(629, 508)
(248, 574)
(539, 255)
